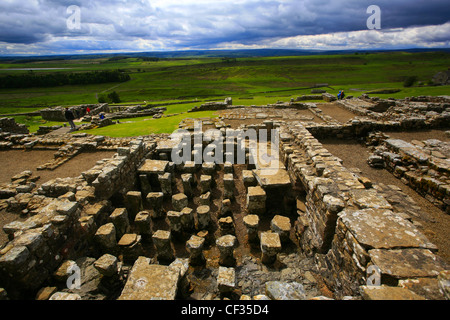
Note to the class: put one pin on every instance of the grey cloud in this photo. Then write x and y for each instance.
(206, 24)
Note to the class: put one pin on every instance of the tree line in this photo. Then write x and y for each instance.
(33, 80)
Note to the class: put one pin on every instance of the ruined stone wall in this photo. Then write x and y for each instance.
(423, 166)
(349, 226)
(10, 125)
(117, 175)
(63, 216)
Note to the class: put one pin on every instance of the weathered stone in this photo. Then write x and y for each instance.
(205, 199)
(270, 246)
(134, 203)
(107, 265)
(226, 245)
(143, 223)
(187, 180)
(195, 248)
(203, 217)
(187, 219)
(272, 177)
(444, 283)
(153, 167)
(45, 293)
(106, 236)
(179, 201)
(256, 200)
(369, 199)
(383, 229)
(407, 263)
(228, 186)
(205, 183)
(65, 296)
(150, 282)
(226, 280)
(251, 221)
(388, 293)
(225, 208)
(162, 241)
(154, 203)
(282, 226)
(15, 259)
(248, 178)
(174, 218)
(165, 181)
(226, 225)
(130, 246)
(277, 290)
(119, 217)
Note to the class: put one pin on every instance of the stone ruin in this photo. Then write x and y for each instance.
(141, 226)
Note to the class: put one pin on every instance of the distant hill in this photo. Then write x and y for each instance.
(186, 54)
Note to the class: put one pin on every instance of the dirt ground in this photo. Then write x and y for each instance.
(336, 112)
(420, 135)
(354, 155)
(17, 161)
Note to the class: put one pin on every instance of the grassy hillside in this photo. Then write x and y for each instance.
(249, 81)
(211, 77)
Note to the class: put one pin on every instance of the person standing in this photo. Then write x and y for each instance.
(70, 117)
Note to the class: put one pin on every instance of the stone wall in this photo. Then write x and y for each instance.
(422, 165)
(63, 217)
(349, 226)
(10, 125)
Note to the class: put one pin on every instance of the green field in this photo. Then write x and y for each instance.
(249, 81)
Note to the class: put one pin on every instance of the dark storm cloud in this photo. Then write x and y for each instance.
(170, 24)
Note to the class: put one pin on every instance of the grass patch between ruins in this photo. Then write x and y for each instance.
(144, 126)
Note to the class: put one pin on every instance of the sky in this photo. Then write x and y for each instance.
(42, 27)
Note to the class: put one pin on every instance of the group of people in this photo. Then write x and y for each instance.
(341, 95)
(70, 117)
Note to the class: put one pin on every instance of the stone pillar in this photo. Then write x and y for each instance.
(226, 246)
(251, 221)
(225, 209)
(228, 186)
(208, 168)
(119, 218)
(161, 239)
(248, 178)
(205, 199)
(270, 247)
(106, 237)
(143, 223)
(187, 219)
(226, 280)
(228, 167)
(154, 204)
(179, 201)
(174, 218)
(203, 217)
(134, 203)
(282, 226)
(165, 180)
(226, 225)
(205, 183)
(187, 180)
(130, 246)
(195, 247)
(145, 184)
(256, 200)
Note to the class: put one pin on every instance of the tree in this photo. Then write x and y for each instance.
(113, 97)
(409, 81)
